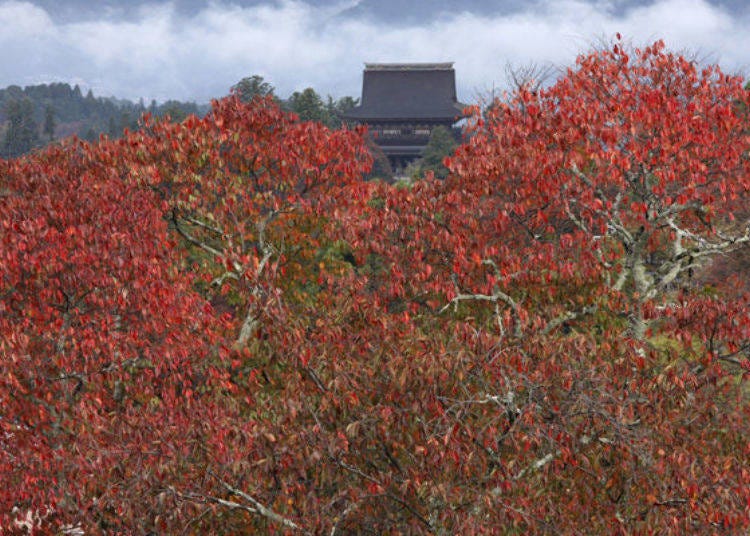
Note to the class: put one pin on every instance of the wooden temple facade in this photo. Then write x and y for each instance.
(403, 102)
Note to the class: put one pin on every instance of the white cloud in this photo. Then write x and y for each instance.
(22, 20)
(162, 53)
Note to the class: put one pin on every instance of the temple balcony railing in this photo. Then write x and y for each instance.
(387, 139)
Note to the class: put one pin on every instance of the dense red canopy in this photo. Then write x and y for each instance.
(217, 327)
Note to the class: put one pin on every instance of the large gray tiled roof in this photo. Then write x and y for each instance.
(408, 91)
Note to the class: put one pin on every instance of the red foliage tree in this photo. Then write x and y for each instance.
(605, 388)
(103, 343)
(518, 348)
(117, 413)
(643, 160)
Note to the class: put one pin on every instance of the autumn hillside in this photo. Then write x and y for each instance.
(217, 327)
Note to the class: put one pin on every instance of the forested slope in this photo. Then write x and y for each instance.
(32, 116)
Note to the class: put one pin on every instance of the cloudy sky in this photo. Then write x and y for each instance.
(196, 49)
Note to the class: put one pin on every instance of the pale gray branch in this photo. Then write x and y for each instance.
(255, 507)
(204, 225)
(535, 466)
(567, 317)
(349, 509)
(498, 297)
(199, 243)
(270, 514)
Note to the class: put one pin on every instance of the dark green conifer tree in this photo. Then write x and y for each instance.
(22, 133)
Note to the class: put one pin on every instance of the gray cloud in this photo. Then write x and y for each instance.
(160, 51)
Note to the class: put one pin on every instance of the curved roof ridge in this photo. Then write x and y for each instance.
(443, 66)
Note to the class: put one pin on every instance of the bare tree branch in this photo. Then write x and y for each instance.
(255, 507)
